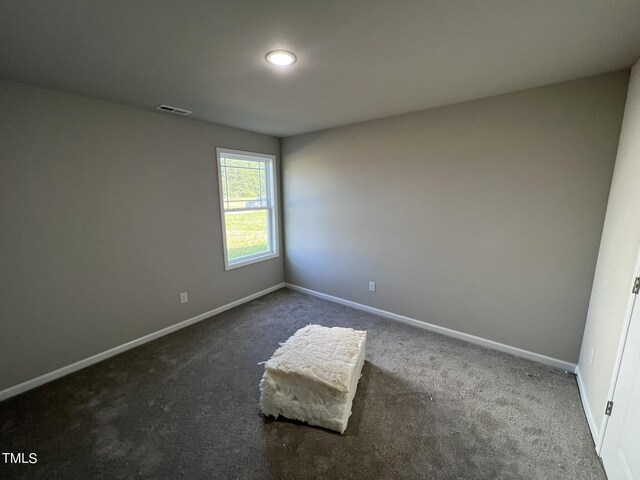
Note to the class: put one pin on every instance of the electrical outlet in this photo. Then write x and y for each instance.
(184, 297)
(591, 355)
(372, 286)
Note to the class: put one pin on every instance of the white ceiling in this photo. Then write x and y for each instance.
(357, 59)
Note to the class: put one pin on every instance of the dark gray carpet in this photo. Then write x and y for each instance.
(186, 406)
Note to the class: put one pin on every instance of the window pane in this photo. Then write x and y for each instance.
(246, 233)
(244, 184)
(249, 209)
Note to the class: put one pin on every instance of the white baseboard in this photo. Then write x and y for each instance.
(593, 426)
(61, 372)
(519, 352)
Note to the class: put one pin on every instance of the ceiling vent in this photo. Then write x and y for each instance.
(176, 110)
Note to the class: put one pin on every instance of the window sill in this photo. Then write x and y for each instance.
(250, 260)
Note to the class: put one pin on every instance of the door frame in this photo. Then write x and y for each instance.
(620, 353)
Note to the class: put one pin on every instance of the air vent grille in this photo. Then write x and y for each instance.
(176, 110)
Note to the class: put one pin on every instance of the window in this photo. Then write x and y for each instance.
(248, 207)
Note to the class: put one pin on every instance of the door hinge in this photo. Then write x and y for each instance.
(607, 411)
(636, 286)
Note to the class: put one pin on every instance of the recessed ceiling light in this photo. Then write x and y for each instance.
(281, 58)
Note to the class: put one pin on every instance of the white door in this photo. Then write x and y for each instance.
(621, 446)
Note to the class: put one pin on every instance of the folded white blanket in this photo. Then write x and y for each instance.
(313, 376)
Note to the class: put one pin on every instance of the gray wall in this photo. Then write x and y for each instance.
(483, 217)
(107, 213)
(616, 262)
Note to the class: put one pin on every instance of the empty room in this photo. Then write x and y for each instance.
(269, 239)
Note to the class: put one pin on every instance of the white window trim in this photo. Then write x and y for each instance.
(272, 219)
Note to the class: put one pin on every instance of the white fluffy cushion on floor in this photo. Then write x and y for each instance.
(313, 376)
